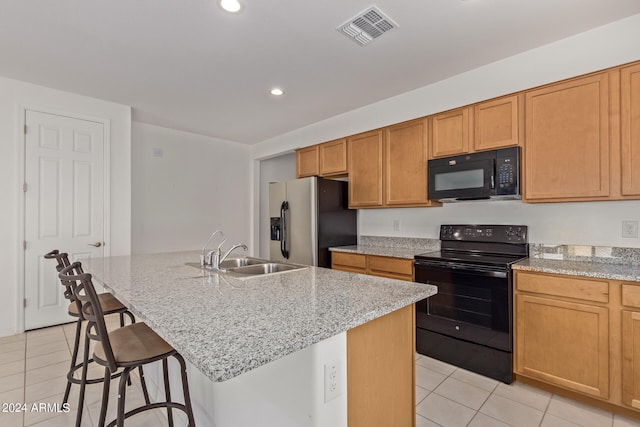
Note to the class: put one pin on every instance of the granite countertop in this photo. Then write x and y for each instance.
(600, 270)
(397, 247)
(379, 250)
(227, 326)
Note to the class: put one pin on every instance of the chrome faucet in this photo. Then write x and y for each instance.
(217, 259)
(206, 260)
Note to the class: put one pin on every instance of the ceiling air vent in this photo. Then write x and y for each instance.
(367, 26)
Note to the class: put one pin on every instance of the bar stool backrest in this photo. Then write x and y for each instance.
(62, 258)
(91, 310)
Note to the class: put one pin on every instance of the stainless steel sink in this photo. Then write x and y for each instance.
(266, 268)
(246, 267)
(240, 262)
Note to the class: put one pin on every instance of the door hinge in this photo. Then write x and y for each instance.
(24, 245)
(24, 187)
(25, 129)
(24, 303)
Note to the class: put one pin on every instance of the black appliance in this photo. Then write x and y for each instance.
(491, 174)
(469, 322)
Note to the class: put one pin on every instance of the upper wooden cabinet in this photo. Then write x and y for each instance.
(405, 164)
(451, 132)
(388, 167)
(498, 123)
(327, 159)
(630, 129)
(488, 125)
(307, 161)
(333, 157)
(364, 154)
(567, 140)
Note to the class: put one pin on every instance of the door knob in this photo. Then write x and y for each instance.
(96, 244)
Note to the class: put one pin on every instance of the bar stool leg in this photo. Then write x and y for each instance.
(167, 390)
(105, 397)
(74, 358)
(83, 382)
(144, 385)
(122, 388)
(185, 389)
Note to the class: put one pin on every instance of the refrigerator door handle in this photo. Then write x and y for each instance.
(283, 218)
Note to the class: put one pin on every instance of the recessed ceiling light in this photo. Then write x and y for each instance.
(276, 91)
(232, 6)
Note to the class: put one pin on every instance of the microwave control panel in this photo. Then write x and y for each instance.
(507, 174)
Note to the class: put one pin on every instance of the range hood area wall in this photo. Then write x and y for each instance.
(583, 223)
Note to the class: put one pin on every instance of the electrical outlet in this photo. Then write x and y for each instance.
(630, 229)
(396, 225)
(331, 380)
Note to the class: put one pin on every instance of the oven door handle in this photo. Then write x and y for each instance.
(476, 270)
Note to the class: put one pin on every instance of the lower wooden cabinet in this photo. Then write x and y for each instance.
(631, 358)
(563, 343)
(581, 335)
(374, 265)
(381, 357)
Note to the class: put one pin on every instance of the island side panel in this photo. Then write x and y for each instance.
(381, 371)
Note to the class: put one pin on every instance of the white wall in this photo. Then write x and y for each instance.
(15, 95)
(594, 223)
(199, 184)
(276, 169)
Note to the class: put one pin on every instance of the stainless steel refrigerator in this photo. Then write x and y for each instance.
(307, 217)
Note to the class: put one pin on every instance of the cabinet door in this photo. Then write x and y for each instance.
(496, 123)
(630, 121)
(405, 166)
(333, 157)
(307, 163)
(563, 343)
(567, 140)
(365, 169)
(631, 358)
(450, 133)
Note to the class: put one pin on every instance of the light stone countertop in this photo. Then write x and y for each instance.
(397, 247)
(227, 326)
(600, 270)
(407, 253)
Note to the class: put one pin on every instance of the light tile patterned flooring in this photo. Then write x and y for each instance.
(33, 367)
(450, 397)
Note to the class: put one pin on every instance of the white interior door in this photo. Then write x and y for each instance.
(64, 206)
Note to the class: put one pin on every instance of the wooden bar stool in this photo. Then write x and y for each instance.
(126, 348)
(109, 305)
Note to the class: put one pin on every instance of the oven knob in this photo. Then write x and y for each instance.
(457, 327)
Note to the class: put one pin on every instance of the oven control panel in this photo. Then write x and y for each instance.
(485, 233)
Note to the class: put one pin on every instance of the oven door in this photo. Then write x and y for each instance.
(473, 302)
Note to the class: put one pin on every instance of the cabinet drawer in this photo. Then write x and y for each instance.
(631, 295)
(357, 261)
(391, 265)
(563, 286)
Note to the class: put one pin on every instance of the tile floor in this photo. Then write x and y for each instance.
(33, 368)
(450, 397)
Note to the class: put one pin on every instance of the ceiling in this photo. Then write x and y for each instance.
(188, 65)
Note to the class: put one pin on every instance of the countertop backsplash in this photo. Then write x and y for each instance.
(582, 253)
(428, 245)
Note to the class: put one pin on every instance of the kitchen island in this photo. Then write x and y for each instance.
(257, 348)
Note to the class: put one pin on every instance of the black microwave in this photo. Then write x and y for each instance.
(491, 174)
